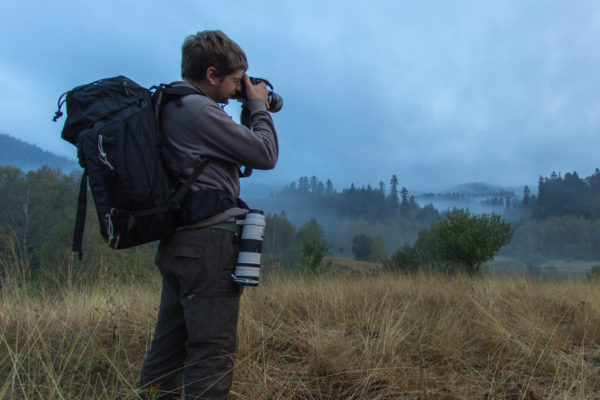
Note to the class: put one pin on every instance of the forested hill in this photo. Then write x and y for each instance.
(17, 153)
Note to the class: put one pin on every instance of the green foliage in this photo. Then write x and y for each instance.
(32, 204)
(37, 211)
(313, 247)
(367, 248)
(569, 195)
(556, 237)
(304, 249)
(404, 260)
(594, 274)
(421, 255)
(279, 233)
(459, 241)
(470, 239)
(378, 250)
(361, 246)
(312, 253)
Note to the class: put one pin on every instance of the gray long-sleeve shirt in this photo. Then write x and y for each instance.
(200, 129)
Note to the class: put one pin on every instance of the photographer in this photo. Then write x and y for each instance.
(197, 321)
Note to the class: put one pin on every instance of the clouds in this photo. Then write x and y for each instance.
(436, 92)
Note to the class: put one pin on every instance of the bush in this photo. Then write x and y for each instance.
(470, 239)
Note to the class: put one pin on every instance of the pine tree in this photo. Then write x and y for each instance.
(404, 206)
(526, 197)
(394, 201)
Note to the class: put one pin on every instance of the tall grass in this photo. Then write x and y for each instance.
(382, 337)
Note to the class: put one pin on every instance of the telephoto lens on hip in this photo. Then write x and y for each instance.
(247, 268)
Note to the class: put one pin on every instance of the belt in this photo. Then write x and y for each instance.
(227, 226)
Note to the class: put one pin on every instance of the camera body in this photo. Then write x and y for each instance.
(275, 100)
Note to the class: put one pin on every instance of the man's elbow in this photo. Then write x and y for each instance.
(267, 160)
(267, 163)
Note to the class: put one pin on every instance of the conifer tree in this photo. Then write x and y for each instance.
(526, 196)
(394, 200)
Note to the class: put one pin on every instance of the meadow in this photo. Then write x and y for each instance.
(385, 336)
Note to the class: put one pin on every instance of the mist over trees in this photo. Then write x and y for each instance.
(559, 222)
(562, 221)
(306, 221)
(392, 216)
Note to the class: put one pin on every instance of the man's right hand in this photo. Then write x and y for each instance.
(259, 91)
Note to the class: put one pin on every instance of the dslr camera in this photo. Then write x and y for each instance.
(275, 100)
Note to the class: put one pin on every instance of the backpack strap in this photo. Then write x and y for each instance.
(175, 201)
(80, 216)
(164, 93)
(190, 181)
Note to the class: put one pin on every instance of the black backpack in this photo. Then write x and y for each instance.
(115, 125)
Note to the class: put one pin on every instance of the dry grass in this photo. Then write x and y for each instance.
(383, 337)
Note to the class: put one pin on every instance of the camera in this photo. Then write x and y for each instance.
(275, 100)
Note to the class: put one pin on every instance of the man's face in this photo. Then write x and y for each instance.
(227, 87)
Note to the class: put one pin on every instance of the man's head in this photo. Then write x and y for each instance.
(211, 49)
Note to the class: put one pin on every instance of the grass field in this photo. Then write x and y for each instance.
(379, 337)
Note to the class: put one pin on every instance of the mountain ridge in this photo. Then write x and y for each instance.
(17, 153)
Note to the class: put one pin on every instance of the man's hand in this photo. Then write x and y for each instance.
(259, 91)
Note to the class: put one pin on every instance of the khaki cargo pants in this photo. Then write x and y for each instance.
(195, 335)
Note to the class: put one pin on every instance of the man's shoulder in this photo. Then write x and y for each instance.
(193, 103)
(196, 96)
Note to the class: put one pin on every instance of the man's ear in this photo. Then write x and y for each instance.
(211, 75)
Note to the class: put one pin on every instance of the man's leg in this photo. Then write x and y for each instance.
(211, 346)
(205, 261)
(165, 358)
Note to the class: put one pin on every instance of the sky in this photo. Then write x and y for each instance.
(438, 93)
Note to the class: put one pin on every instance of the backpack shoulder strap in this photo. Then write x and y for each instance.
(80, 216)
(190, 180)
(164, 93)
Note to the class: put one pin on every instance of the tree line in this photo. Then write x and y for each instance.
(570, 195)
(373, 204)
(561, 221)
(382, 224)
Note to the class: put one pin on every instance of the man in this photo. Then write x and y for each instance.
(197, 321)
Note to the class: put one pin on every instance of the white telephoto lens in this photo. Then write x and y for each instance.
(247, 269)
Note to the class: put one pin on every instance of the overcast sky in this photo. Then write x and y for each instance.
(437, 92)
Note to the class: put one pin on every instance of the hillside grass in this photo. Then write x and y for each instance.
(380, 337)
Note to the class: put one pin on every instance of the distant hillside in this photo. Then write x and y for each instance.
(19, 154)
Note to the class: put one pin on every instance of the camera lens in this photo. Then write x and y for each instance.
(275, 102)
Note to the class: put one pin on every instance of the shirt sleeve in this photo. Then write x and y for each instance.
(232, 142)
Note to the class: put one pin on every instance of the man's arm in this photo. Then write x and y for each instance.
(227, 140)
